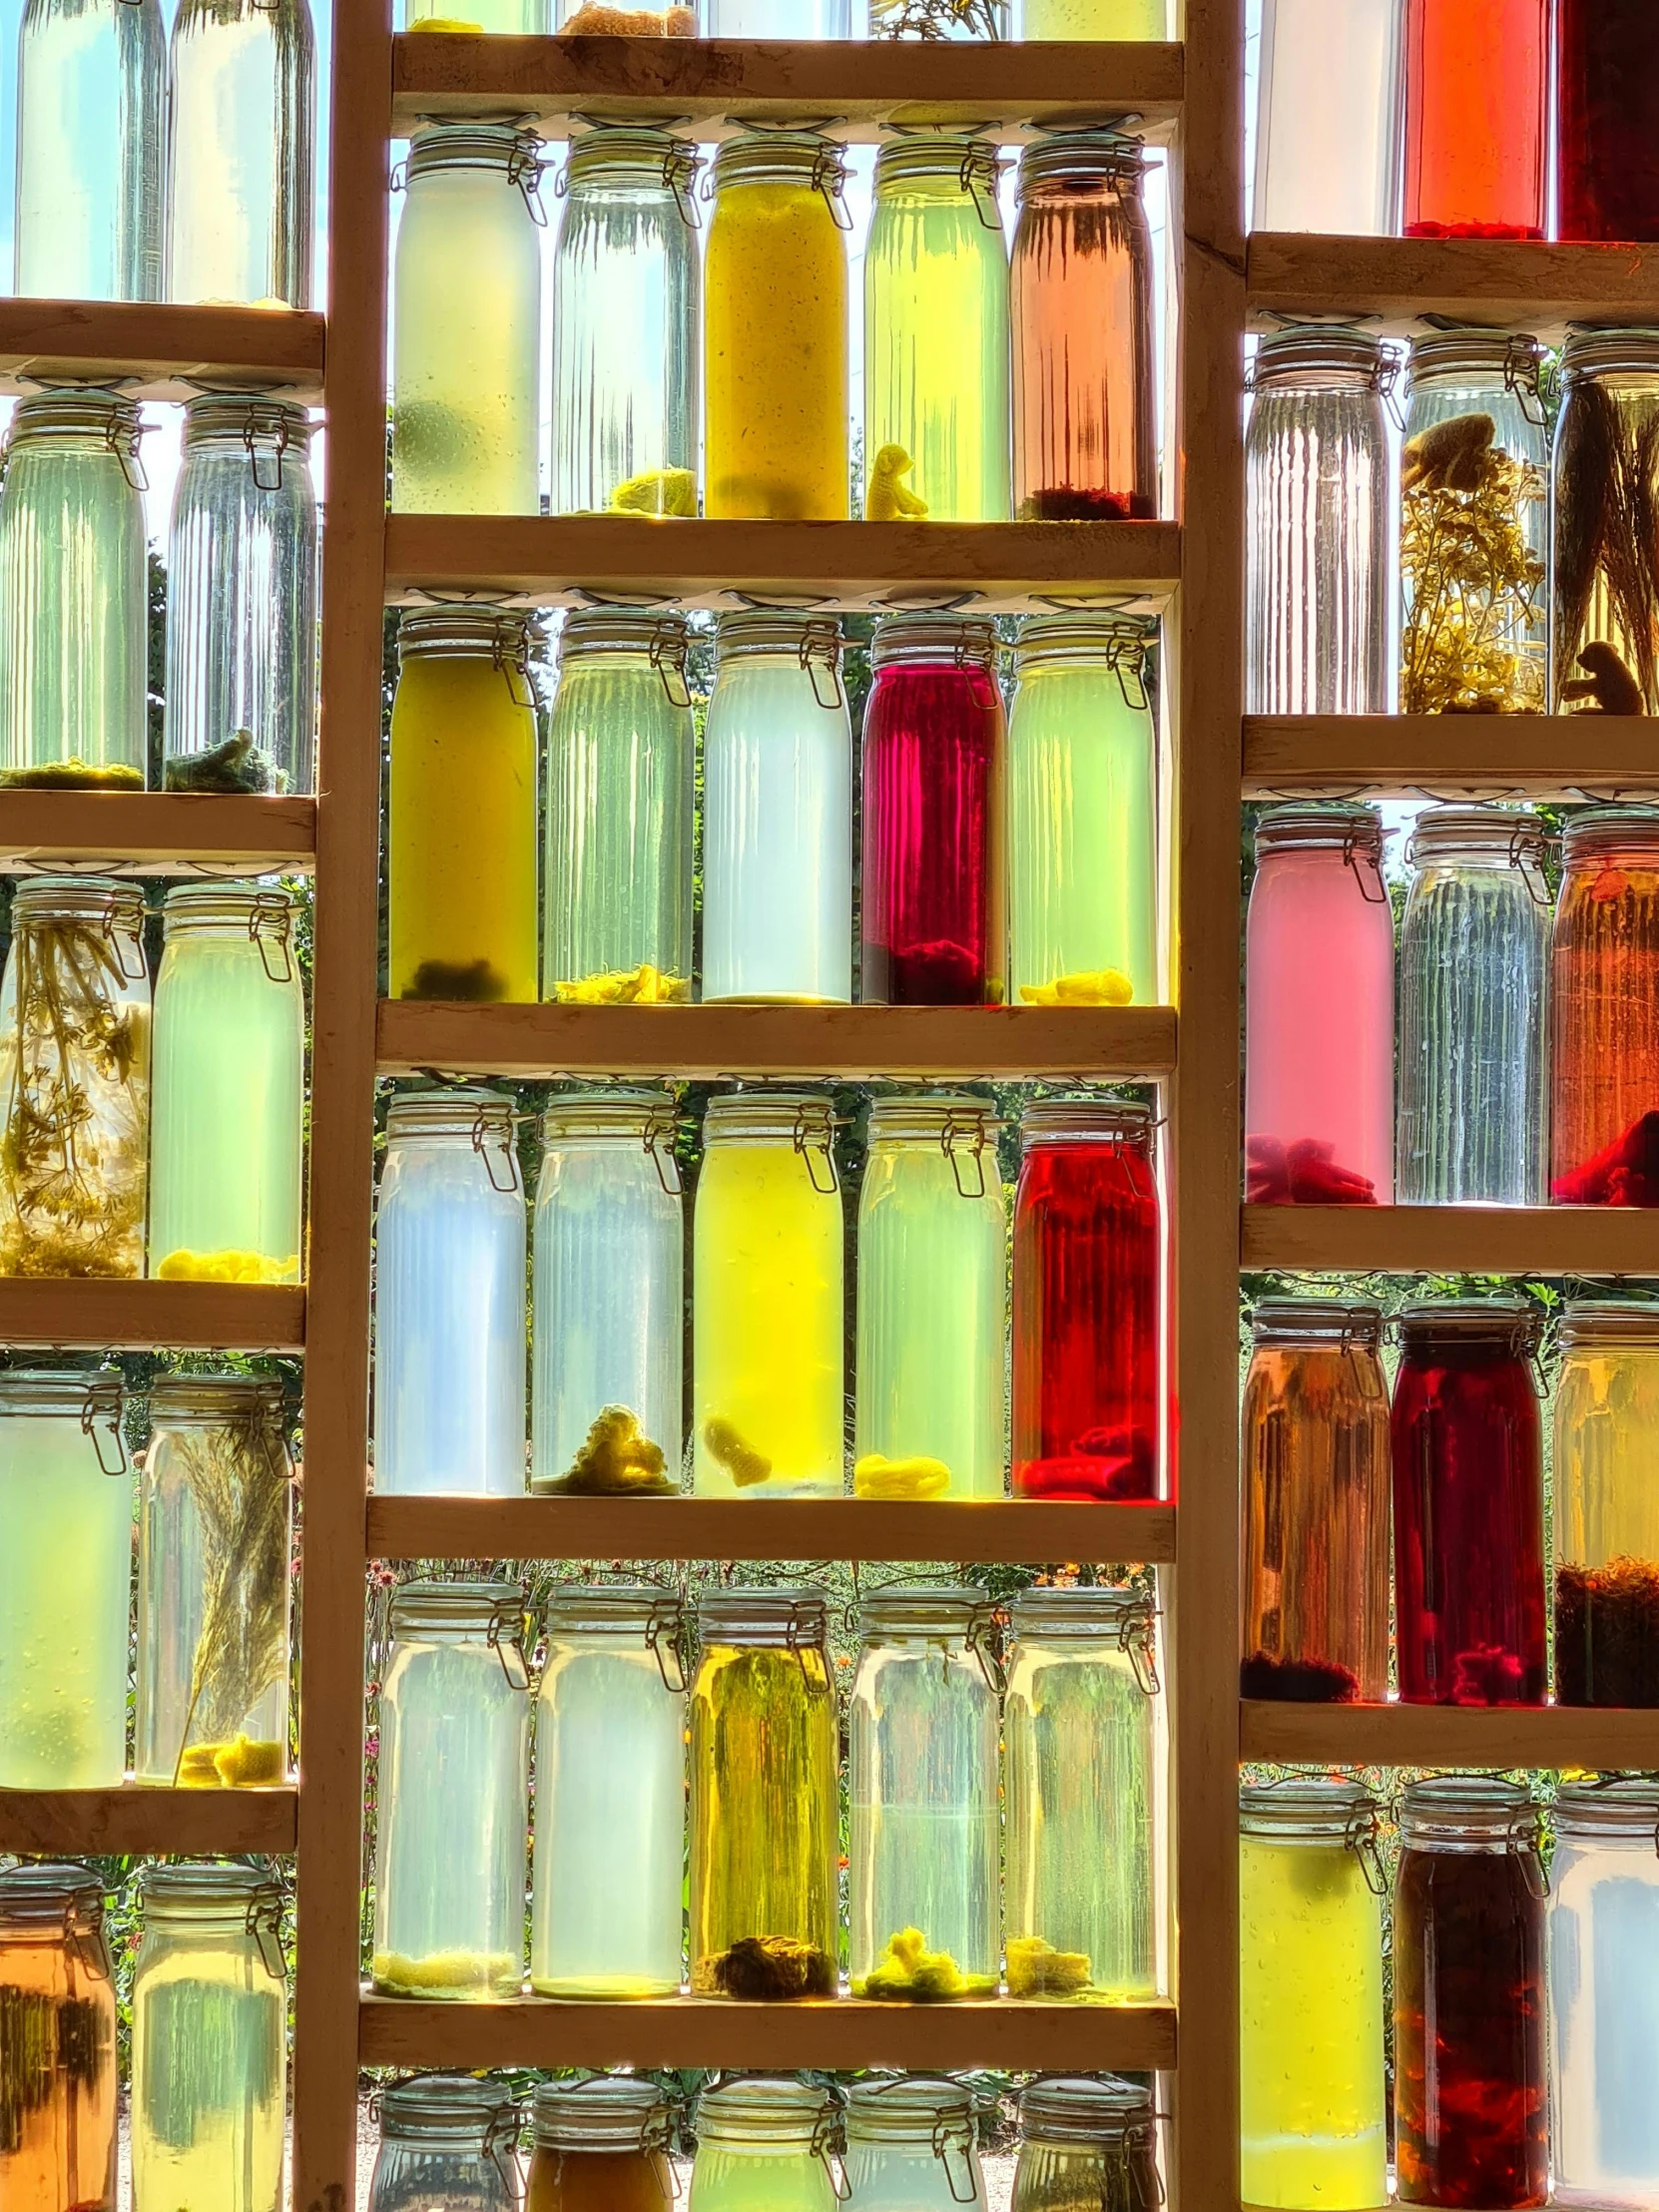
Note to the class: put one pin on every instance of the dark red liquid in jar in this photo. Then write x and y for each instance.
(1477, 73)
(1607, 119)
(933, 927)
(1086, 1381)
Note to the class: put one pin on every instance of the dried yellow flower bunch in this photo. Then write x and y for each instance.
(1471, 578)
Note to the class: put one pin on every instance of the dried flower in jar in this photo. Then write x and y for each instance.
(1470, 575)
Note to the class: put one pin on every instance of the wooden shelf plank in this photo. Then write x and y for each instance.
(764, 1528)
(229, 1316)
(1506, 282)
(551, 559)
(1598, 1737)
(842, 2033)
(965, 1041)
(1479, 1240)
(1535, 757)
(160, 351)
(73, 1823)
(857, 87)
(156, 833)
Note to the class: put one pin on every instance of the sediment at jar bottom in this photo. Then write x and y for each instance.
(1038, 1969)
(642, 986)
(446, 1973)
(617, 1459)
(909, 1972)
(1607, 1634)
(224, 1267)
(244, 1762)
(766, 1967)
(1298, 1681)
(72, 776)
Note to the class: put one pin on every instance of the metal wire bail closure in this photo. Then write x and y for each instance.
(1126, 657)
(501, 2134)
(830, 180)
(103, 1404)
(670, 650)
(1360, 1839)
(980, 174)
(485, 1125)
(680, 167)
(811, 1141)
(524, 167)
(1137, 1637)
(509, 1649)
(820, 654)
(279, 433)
(658, 1143)
(269, 922)
(825, 2142)
(124, 444)
(962, 1141)
(118, 939)
(511, 660)
(264, 1923)
(1352, 859)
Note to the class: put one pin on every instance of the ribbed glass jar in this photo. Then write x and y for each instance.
(600, 2146)
(59, 2083)
(1080, 306)
(934, 816)
(461, 846)
(923, 1907)
(1086, 2144)
(932, 1250)
(449, 1311)
(621, 766)
(609, 1823)
(1603, 588)
(1604, 1011)
(1476, 133)
(775, 322)
(242, 153)
(778, 814)
(242, 601)
(91, 141)
(1319, 1012)
(1083, 814)
(1474, 1081)
(227, 1129)
(1087, 1343)
(1316, 1500)
(1607, 121)
(73, 594)
(765, 1813)
(66, 1505)
(74, 1079)
(1084, 1789)
(627, 288)
(216, 1559)
(937, 334)
(1327, 137)
(466, 324)
(767, 1348)
(451, 1794)
(447, 2140)
(1313, 2122)
(1606, 1509)
(763, 2145)
(911, 2146)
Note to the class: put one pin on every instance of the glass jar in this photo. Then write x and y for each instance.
(227, 1140)
(1327, 136)
(602, 2145)
(933, 1304)
(58, 2075)
(1607, 121)
(466, 324)
(242, 153)
(74, 1079)
(73, 594)
(1126, 20)
(1319, 1012)
(1602, 1928)
(778, 814)
(453, 1783)
(767, 1241)
(66, 1505)
(610, 1795)
(1606, 1517)
(910, 2146)
(1088, 2144)
(1319, 633)
(798, 20)
(91, 95)
(449, 1318)
(617, 884)
(241, 601)
(936, 334)
(215, 1543)
(764, 1807)
(763, 2145)
(1603, 585)
(774, 327)
(1474, 1010)
(1083, 813)
(1088, 1238)
(1604, 1011)
(461, 845)
(1470, 2124)
(1312, 2126)
(937, 20)
(1468, 1505)
(446, 2142)
(606, 1355)
(1476, 87)
(626, 297)
(1315, 1523)
(1475, 523)
(926, 1826)
(934, 833)
(209, 2058)
(1084, 1760)
(1080, 303)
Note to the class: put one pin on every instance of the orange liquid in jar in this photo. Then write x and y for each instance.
(56, 2082)
(598, 2181)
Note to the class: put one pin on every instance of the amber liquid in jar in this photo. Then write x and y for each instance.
(598, 2181)
(57, 2082)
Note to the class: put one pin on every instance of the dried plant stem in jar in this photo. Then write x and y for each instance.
(1471, 577)
(1606, 573)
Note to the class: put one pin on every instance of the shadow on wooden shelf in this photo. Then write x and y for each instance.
(1534, 756)
(227, 1316)
(188, 1823)
(1600, 1736)
(159, 351)
(156, 833)
(1477, 1240)
(1507, 283)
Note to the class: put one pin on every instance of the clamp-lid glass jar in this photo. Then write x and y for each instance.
(912, 2142)
(446, 2140)
(763, 2145)
(1087, 2143)
(58, 2065)
(1606, 1517)
(601, 2145)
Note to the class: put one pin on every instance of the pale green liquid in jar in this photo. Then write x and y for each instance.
(912, 2177)
(759, 2177)
(92, 78)
(1094, 19)
(517, 18)
(209, 2071)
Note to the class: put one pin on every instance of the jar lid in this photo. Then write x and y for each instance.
(1507, 1322)
(1082, 157)
(1590, 1324)
(51, 1894)
(785, 1618)
(1591, 351)
(1625, 1811)
(433, 1608)
(1310, 1808)
(210, 1886)
(615, 1608)
(934, 640)
(937, 1610)
(1512, 834)
(1594, 831)
(468, 632)
(1337, 1323)
(213, 1400)
(635, 157)
(605, 2113)
(658, 636)
(1447, 1806)
(780, 158)
(801, 1118)
(778, 2106)
(1116, 640)
(1510, 357)
(1314, 353)
(79, 410)
(1104, 1609)
(649, 1118)
(258, 911)
(803, 638)
(249, 418)
(475, 146)
(1086, 1120)
(973, 161)
(909, 2108)
(444, 2105)
(1311, 826)
(477, 1116)
(1098, 2108)
(106, 900)
(87, 1394)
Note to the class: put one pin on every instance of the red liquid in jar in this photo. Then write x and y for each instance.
(1607, 119)
(1475, 78)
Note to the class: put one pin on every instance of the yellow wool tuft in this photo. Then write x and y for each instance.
(1106, 986)
(876, 1476)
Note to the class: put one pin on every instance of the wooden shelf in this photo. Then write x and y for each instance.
(191, 1823)
(156, 833)
(1477, 1240)
(959, 1041)
(833, 2035)
(716, 84)
(1534, 756)
(551, 560)
(228, 1317)
(764, 1528)
(1596, 1737)
(159, 351)
(1507, 283)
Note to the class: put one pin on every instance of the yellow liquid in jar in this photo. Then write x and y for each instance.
(462, 860)
(208, 2083)
(1311, 2029)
